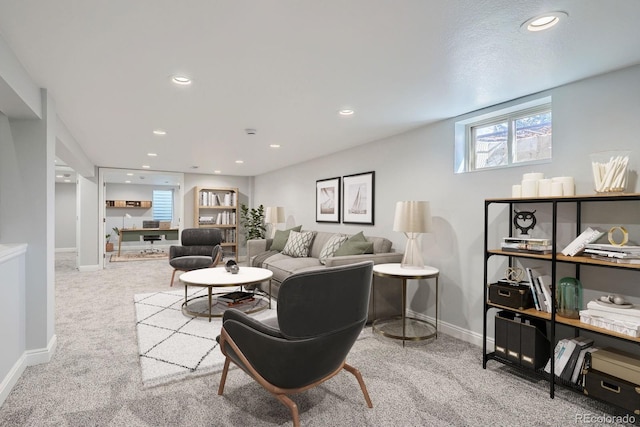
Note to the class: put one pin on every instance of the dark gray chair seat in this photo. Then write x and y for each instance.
(320, 315)
(200, 249)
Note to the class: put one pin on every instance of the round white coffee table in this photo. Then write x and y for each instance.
(389, 326)
(220, 277)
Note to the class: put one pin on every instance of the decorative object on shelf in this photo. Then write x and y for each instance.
(625, 236)
(358, 198)
(524, 221)
(412, 218)
(274, 216)
(534, 184)
(123, 217)
(252, 221)
(514, 274)
(328, 200)
(610, 171)
(569, 298)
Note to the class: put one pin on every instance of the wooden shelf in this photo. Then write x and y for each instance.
(128, 204)
(220, 203)
(563, 258)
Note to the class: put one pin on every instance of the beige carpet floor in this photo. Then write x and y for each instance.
(94, 378)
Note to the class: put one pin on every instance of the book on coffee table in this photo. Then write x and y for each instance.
(235, 297)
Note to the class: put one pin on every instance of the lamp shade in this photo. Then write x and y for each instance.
(412, 217)
(274, 215)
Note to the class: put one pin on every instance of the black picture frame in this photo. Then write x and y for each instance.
(358, 198)
(328, 200)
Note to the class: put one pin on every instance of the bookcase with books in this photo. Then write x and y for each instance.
(217, 207)
(526, 302)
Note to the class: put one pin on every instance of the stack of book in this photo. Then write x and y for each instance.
(613, 253)
(569, 356)
(527, 245)
(578, 245)
(540, 290)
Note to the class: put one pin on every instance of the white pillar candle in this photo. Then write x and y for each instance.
(556, 189)
(529, 188)
(534, 176)
(568, 185)
(516, 191)
(544, 187)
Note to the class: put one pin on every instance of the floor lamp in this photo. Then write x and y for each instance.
(274, 216)
(412, 218)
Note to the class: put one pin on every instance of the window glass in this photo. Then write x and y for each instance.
(163, 205)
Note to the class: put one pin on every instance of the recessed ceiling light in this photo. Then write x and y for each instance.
(274, 145)
(67, 180)
(181, 80)
(159, 132)
(346, 112)
(145, 166)
(127, 182)
(129, 174)
(217, 171)
(58, 176)
(544, 21)
(194, 167)
(239, 161)
(152, 154)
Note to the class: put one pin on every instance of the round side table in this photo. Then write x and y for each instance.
(389, 326)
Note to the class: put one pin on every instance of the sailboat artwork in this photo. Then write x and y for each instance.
(358, 200)
(327, 204)
(359, 204)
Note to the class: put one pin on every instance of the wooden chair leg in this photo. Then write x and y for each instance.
(173, 276)
(223, 378)
(293, 408)
(358, 375)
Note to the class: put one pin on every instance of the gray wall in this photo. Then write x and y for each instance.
(588, 116)
(65, 216)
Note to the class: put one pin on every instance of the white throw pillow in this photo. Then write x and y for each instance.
(331, 246)
(298, 244)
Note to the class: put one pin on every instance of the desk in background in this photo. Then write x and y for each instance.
(133, 234)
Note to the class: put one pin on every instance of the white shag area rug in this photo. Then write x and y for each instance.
(173, 346)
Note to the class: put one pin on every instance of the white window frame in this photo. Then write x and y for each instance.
(465, 150)
(155, 205)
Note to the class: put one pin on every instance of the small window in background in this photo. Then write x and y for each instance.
(515, 136)
(162, 205)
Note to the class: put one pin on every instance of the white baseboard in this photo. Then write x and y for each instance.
(65, 250)
(455, 331)
(84, 268)
(28, 358)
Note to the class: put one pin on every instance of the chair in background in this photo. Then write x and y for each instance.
(200, 249)
(320, 315)
(151, 238)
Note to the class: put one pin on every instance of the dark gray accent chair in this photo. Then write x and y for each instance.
(200, 249)
(320, 315)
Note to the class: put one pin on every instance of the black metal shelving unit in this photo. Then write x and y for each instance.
(554, 258)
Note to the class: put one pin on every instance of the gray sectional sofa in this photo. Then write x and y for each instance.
(387, 293)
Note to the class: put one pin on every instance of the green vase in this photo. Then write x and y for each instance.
(569, 297)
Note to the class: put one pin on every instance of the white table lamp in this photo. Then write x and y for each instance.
(412, 218)
(274, 215)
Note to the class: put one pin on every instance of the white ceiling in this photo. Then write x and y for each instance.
(285, 67)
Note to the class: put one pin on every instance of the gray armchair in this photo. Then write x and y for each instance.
(200, 249)
(320, 315)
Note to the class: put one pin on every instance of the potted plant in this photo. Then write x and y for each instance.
(252, 220)
(109, 245)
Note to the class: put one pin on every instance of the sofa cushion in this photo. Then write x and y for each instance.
(331, 246)
(283, 266)
(355, 245)
(280, 238)
(298, 244)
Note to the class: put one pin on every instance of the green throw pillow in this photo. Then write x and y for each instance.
(356, 245)
(281, 237)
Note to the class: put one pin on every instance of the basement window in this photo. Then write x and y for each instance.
(515, 136)
(162, 205)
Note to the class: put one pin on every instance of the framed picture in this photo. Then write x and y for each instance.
(328, 200)
(358, 198)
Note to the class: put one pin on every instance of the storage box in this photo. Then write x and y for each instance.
(521, 342)
(617, 363)
(165, 225)
(514, 296)
(612, 389)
